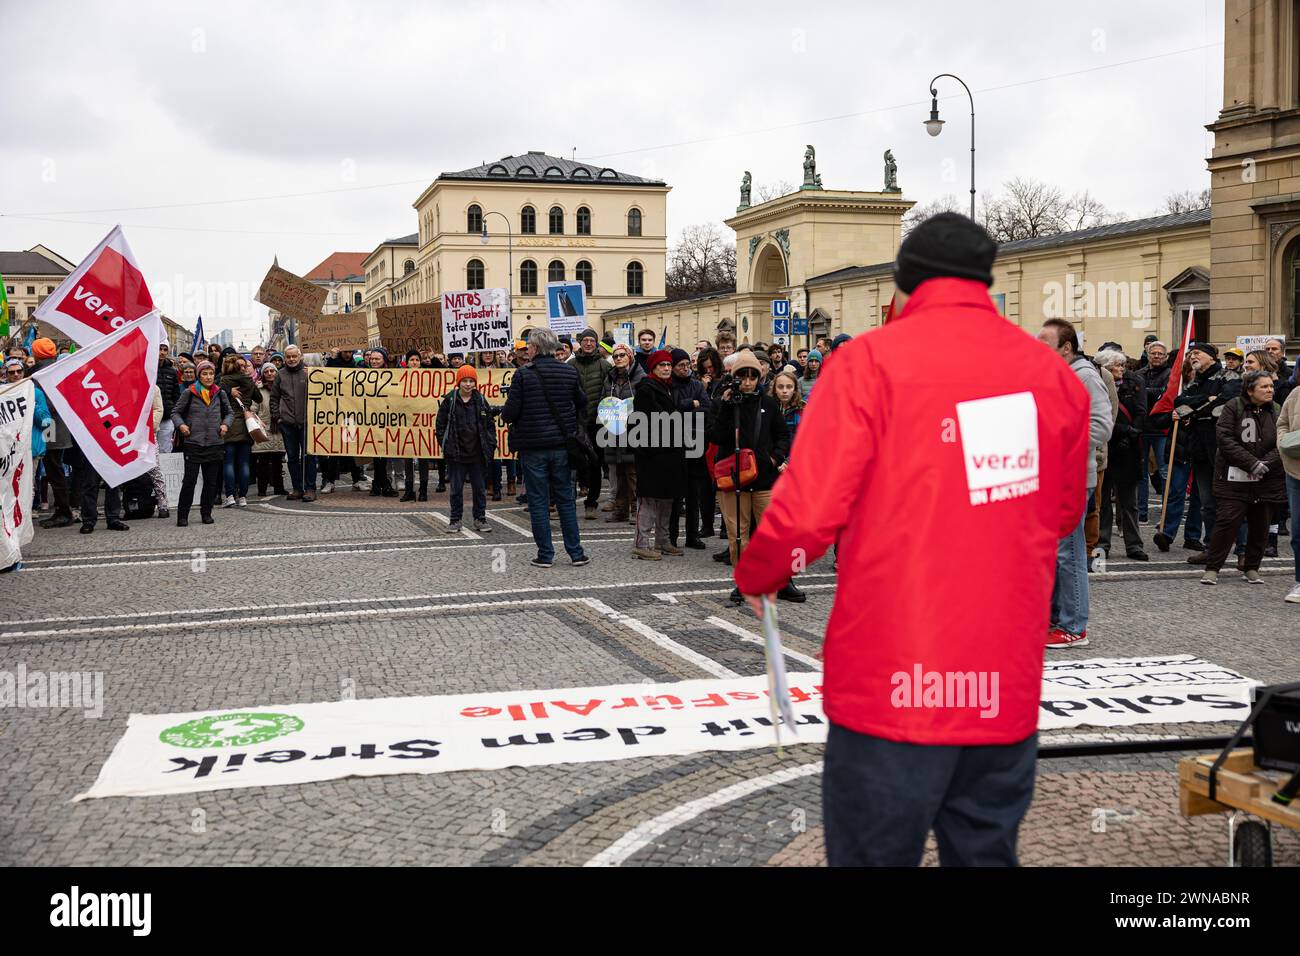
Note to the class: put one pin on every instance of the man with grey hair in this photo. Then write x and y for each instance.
(1276, 348)
(545, 405)
(289, 417)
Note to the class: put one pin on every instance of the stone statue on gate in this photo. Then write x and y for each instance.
(810, 178)
(891, 173)
(744, 191)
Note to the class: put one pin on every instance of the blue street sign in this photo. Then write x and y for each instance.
(780, 326)
(800, 326)
(780, 308)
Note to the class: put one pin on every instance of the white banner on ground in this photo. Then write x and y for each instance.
(17, 408)
(172, 466)
(300, 743)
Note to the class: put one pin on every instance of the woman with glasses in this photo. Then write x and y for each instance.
(621, 383)
(661, 471)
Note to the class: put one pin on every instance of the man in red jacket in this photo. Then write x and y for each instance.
(934, 653)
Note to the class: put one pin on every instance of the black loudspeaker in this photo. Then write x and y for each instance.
(1277, 727)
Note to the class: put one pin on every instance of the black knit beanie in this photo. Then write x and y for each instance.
(948, 244)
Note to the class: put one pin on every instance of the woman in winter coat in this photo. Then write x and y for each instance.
(1248, 475)
(812, 367)
(413, 360)
(785, 389)
(692, 398)
(467, 432)
(763, 430)
(242, 392)
(621, 384)
(268, 456)
(202, 416)
(661, 472)
(1124, 465)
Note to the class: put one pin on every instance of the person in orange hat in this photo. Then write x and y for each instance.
(467, 432)
(44, 349)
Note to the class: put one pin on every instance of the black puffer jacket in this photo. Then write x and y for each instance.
(1154, 382)
(204, 420)
(660, 472)
(1123, 460)
(1247, 436)
(1208, 392)
(526, 409)
(451, 414)
(170, 387)
(762, 428)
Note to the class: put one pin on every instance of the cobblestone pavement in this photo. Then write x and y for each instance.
(285, 603)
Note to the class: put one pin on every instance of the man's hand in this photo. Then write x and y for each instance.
(185, 430)
(222, 431)
(1260, 469)
(756, 602)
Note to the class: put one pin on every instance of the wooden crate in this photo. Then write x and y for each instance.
(1241, 786)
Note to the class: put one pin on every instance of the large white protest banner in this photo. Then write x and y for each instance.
(103, 294)
(476, 321)
(298, 743)
(104, 394)
(17, 407)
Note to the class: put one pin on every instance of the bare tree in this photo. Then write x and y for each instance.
(1084, 211)
(923, 211)
(700, 262)
(765, 191)
(1187, 201)
(1025, 209)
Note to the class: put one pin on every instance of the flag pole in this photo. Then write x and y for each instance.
(1169, 471)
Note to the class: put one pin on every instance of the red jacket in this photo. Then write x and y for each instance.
(947, 453)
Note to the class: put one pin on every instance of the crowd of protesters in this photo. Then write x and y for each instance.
(1219, 475)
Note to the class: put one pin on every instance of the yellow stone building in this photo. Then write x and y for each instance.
(546, 219)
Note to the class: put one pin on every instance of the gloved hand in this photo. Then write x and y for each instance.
(1183, 411)
(1260, 469)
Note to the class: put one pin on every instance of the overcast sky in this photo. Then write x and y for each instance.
(112, 105)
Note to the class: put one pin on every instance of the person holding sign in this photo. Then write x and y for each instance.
(468, 436)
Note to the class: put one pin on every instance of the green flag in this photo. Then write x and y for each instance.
(4, 310)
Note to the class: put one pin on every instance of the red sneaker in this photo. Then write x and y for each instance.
(1059, 637)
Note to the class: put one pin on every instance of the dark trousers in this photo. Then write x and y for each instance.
(302, 466)
(424, 476)
(880, 798)
(596, 471)
(86, 481)
(211, 478)
(501, 464)
(382, 480)
(331, 467)
(1230, 515)
(460, 470)
(268, 471)
(1203, 480)
(58, 482)
(1125, 492)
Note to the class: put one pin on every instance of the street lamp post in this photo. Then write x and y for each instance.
(510, 256)
(934, 126)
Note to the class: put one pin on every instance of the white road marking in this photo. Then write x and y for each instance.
(643, 834)
(381, 599)
(446, 519)
(132, 555)
(750, 637)
(645, 630)
(670, 597)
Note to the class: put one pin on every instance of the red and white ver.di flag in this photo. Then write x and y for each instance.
(103, 294)
(104, 393)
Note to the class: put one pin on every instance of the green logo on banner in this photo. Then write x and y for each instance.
(230, 730)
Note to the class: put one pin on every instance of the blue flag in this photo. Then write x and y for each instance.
(30, 337)
(199, 342)
(663, 337)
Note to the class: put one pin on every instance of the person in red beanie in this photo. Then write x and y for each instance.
(467, 431)
(933, 665)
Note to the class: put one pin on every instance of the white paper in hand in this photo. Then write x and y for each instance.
(778, 685)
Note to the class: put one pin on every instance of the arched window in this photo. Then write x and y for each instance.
(582, 272)
(634, 222)
(1292, 277)
(555, 271)
(528, 277)
(528, 221)
(635, 279)
(408, 267)
(557, 221)
(474, 274)
(584, 221)
(474, 219)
